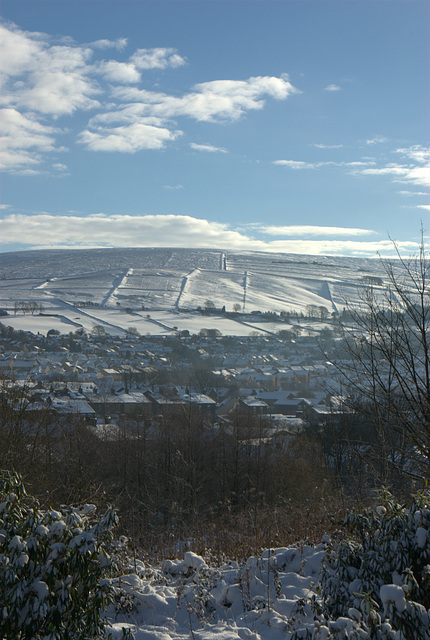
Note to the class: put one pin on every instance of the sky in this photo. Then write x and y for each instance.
(290, 126)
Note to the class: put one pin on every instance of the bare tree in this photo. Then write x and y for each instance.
(387, 370)
(98, 330)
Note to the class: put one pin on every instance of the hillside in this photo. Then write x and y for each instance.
(102, 286)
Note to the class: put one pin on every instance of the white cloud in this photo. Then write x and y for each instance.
(402, 173)
(45, 230)
(120, 71)
(340, 247)
(412, 193)
(18, 49)
(61, 169)
(359, 163)
(216, 101)
(309, 230)
(119, 44)
(298, 164)
(119, 230)
(418, 175)
(332, 87)
(128, 139)
(376, 140)
(417, 152)
(327, 146)
(24, 140)
(55, 92)
(158, 58)
(416, 172)
(423, 206)
(127, 114)
(144, 59)
(389, 169)
(56, 80)
(45, 78)
(219, 100)
(208, 148)
(39, 78)
(173, 186)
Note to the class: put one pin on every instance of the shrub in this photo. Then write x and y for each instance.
(54, 568)
(378, 582)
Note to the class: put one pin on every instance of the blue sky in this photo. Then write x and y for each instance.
(293, 126)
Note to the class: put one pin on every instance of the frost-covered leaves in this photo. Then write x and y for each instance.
(53, 568)
(381, 578)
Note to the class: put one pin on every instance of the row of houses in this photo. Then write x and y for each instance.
(114, 369)
(318, 408)
(86, 402)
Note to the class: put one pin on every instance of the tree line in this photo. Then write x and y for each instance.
(28, 307)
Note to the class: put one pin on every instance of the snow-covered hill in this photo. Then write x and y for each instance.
(83, 286)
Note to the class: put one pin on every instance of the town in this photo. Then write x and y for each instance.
(100, 377)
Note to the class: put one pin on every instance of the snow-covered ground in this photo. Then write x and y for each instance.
(264, 598)
(373, 586)
(85, 288)
(117, 323)
(277, 594)
(159, 323)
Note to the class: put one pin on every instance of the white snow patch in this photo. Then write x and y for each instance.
(392, 594)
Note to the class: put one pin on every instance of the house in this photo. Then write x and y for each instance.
(73, 406)
(165, 400)
(204, 403)
(122, 404)
(283, 402)
(255, 406)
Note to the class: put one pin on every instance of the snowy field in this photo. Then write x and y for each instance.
(85, 288)
(117, 323)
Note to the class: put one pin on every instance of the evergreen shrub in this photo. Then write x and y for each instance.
(376, 583)
(54, 568)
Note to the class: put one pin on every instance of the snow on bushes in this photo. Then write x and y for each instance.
(375, 585)
(382, 574)
(53, 568)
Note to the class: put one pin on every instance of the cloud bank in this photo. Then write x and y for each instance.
(100, 230)
(308, 230)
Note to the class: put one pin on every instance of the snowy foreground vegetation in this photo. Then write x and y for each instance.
(63, 577)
